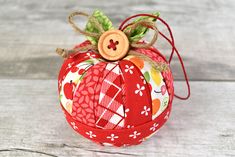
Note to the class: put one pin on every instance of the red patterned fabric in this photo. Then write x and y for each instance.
(120, 137)
(137, 97)
(85, 96)
(74, 59)
(110, 111)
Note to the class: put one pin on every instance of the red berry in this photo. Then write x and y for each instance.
(74, 69)
(81, 71)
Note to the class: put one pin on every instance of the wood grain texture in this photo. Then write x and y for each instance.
(32, 124)
(31, 121)
(30, 31)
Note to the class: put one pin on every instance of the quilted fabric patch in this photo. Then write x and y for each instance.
(156, 85)
(110, 109)
(155, 55)
(75, 73)
(137, 98)
(85, 95)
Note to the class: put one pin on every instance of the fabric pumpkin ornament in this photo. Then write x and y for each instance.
(116, 89)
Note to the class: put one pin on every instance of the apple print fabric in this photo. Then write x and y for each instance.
(156, 56)
(115, 103)
(73, 78)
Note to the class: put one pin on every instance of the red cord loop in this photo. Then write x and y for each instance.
(170, 41)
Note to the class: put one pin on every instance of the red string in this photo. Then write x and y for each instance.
(171, 42)
(157, 18)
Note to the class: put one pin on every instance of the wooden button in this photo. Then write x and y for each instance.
(113, 45)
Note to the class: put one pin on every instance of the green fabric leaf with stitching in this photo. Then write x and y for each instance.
(103, 20)
(140, 31)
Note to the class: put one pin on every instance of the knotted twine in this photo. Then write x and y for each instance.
(159, 66)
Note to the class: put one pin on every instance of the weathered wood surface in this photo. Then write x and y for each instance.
(32, 124)
(31, 121)
(30, 30)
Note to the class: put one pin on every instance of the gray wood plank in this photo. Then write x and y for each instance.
(32, 124)
(30, 31)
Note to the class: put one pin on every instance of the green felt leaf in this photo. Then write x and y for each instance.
(147, 76)
(140, 31)
(103, 20)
